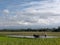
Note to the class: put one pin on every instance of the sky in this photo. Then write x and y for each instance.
(29, 14)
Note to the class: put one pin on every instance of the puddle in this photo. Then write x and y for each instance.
(32, 36)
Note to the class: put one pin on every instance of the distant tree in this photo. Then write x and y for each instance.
(58, 29)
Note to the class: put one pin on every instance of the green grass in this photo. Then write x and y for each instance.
(29, 41)
(4, 40)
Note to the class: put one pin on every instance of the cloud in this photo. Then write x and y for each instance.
(45, 13)
(44, 7)
(6, 11)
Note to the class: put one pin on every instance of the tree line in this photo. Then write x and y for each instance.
(31, 30)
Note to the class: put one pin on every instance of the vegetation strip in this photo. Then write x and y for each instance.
(29, 41)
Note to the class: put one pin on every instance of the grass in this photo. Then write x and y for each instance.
(31, 33)
(5, 40)
(29, 41)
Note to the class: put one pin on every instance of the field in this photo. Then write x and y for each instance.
(31, 33)
(29, 41)
(5, 40)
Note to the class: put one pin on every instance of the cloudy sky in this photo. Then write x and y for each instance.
(29, 13)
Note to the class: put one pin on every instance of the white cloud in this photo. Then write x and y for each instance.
(44, 7)
(34, 13)
(6, 11)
